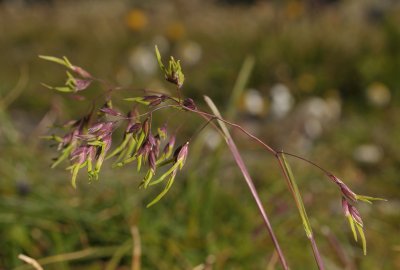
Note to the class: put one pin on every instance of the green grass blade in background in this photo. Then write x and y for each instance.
(240, 84)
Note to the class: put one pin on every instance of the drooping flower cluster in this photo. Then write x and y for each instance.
(89, 139)
(72, 84)
(349, 198)
(87, 145)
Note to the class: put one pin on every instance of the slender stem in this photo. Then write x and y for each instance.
(269, 148)
(179, 94)
(316, 253)
(149, 112)
(197, 132)
(137, 248)
(266, 146)
(306, 160)
(253, 190)
(239, 161)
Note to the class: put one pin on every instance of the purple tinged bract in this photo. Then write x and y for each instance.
(189, 103)
(346, 191)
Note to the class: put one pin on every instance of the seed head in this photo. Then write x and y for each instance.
(81, 84)
(101, 129)
(154, 100)
(110, 111)
(81, 72)
(156, 147)
(167, 151)
(162, 131)
(355, 215)
(181, 154)
(152, 161)
(345, 207)
(134, 128)
(146, 126)
(346, 191)
(189, 103)
(350, 211)
(80, 154)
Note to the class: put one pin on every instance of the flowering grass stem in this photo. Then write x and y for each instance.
(239, 161)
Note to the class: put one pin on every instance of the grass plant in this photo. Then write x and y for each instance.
(88, 141)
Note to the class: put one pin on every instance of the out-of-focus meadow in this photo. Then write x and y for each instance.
(325, 84)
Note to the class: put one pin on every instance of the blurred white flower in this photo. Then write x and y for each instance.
(191, 52)
(282, 100)
(211, 138)
(368, 153)
(254, 102)
(313, 116)
(143, 61)
(318, 113)
(313, 128)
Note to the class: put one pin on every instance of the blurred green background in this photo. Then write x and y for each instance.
(325, 84)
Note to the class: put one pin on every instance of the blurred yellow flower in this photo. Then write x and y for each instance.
(306, 82)
(378, 94)
(175, 31)
(136, 19)
(294, 10)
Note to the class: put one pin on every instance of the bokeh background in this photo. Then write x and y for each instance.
(324, 81)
